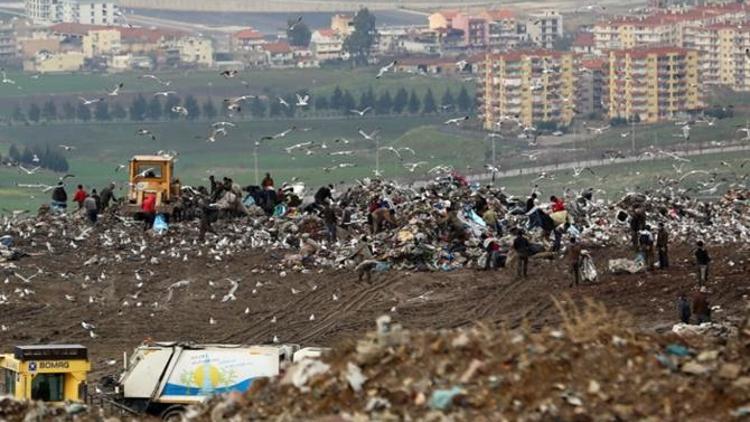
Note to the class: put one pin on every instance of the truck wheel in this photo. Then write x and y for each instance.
(173, 414)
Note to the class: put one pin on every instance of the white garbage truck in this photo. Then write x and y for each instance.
(162, 379)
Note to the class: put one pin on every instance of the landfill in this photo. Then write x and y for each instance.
(592, 367)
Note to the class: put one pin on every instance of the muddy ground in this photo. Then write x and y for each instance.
(101, 294)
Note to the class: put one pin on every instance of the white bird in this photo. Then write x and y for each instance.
(180, 110)
(302, 101)
(86, 101)
(361, 112)
(335, 297)
(457, 121)
(223, 124)
(387, 68)
(312, 317)
(283, 102)
(92, 334)
(27, 171)
(370, 136)
(120, 167)
(295, 23)
(164, 93)
(145, 132)
(229, 74)
(70, 298)
(67, 147)
(599, 130)
(211, 321)
(274, 319)
(280, 134)
(87, 326)
(294, 291)
(413, 166)
(156, 78)
(275, 339)
(35, 158)
(339, 153)
(247, 310)
(116, 90)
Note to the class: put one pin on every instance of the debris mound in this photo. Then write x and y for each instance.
(593, 367)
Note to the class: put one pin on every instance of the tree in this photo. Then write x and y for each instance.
(119, 112)
(34, 113)
(359, 43)
(464, 100)
(384, 103)
(209, 109)
(153, 111)
(347, 101)
(414, 103)
(138, 108)
(49, 111)
(336, 98)
(18, 115)
(321, 102)
(169, 103)
(400, 101)
(258, 108)
(68, 111)
(275, 109)
(27, 156)
(101, 112)
(191, 105)
(83, 113)
(447, 102)
(298, 33)
(13, 153)
(367, 99)
(430, 106)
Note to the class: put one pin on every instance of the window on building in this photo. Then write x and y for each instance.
(48, 387)
(7, 382)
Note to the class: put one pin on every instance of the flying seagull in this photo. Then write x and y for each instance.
(229, 74)
(116, 90)
(457, 121)
(145, 132)
(89, 102)
(368, 136)
(164, 93)
(180, 110)
(156, 78)
(302, 101)
(279, 135)
(387, 68)
(361, 112)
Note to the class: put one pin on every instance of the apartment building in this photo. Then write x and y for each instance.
(474, 29)
(530, 85)
(327, 44)
(90, 12)
(723, 59)
(342, 24)
(545, 28)
(442, 19)
(502, 29)
(98, 42)
(196, 51)
(652, 83)
(673, 27)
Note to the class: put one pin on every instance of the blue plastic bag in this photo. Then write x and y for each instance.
(160, 224)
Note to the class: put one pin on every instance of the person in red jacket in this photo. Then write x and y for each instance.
(80, 196)
(557, 204)
(148, 207)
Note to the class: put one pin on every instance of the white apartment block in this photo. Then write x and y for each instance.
(89, 12)
(545, 28)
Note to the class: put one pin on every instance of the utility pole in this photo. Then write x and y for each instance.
(255, 161)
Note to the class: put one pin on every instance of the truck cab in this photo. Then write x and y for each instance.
(152, 175)
(50, 373)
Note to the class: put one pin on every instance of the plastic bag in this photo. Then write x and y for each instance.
(160, 224)
(588, 269)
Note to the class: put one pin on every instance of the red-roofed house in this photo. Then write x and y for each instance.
(442, 19)
(584, 44)
(247, 39)
(327, 44)
(279, 54)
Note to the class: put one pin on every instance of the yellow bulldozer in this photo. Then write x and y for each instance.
(52, 373)
(152, 175)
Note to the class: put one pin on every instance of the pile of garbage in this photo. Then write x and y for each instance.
(440, 226)
(593, 367)
(23, 411)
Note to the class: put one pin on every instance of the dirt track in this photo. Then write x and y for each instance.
(421, 300)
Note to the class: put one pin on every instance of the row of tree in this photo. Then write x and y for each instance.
(341, 101)
(36, 155)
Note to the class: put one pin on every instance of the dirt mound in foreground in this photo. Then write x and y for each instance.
(591, 368)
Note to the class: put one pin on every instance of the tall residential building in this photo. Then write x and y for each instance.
(502, 29)
(43, 11)
(723, 59)
(90, 12)
(532, 86)
(474, 29)
(545, 28)
(652, 83)
(8, 44)
(590, 87)
(98, 42)
(665, 27)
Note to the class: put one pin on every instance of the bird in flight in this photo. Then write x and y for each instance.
(302, 101)
(295, 23)
(67, 147)
(145, 132)
(116, 90)
(164, 93)
(283, 102)
(86, 101)
(156, 78)
(387, 68)
(229, 74)
(280, 134)
(369, 136)
(457, 121)
(180, 110)
(27, 171)
(361, 112)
